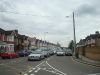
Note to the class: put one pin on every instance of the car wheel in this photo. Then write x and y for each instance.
(3, 57)
(29, 60)
(40, 59)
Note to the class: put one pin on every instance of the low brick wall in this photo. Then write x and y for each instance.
(90, 52)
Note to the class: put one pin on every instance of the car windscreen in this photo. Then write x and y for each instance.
(36, 52)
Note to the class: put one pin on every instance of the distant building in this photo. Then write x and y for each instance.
(91, 40)
(12, 41)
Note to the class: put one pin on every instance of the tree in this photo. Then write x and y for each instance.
(71, 45)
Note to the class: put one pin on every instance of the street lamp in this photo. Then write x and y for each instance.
(74, 33)
(45, 35)
(75, 52)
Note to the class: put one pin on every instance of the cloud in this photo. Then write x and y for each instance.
(88, 9)
(8, 20)
(34, 17)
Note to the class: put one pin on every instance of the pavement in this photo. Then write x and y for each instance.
(87, 61)
(54, 65)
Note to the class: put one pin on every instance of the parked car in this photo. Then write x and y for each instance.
(9, 55)
(60, 53)
(44, 51)
(51, 52)
(23, 53)
(36, 55)
(54, 50)
(68, 52)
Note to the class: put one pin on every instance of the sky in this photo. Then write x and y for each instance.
(51, 20)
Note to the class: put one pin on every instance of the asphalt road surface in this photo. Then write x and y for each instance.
(54, 65)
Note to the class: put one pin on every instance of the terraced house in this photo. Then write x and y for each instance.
(91, 40)
(11, 41)
(7, 40)
(90, 46)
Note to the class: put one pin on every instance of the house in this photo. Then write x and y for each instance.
(33, 42)
(24, 42)
(38, 43)
(91, 40)
(10, 40)
(18, 42)
(2, 41)
(7, 40)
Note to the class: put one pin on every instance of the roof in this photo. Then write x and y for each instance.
(22, 36)
(93, 36)
(8, 32)
(2, 31)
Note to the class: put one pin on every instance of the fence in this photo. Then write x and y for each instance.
(90, 52)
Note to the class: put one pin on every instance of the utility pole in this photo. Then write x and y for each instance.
(45, 33)
(75, 52)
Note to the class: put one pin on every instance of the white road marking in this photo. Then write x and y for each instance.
(25, 74)
(53, 72)
(34, 68)
(40, 64)
(30, 71)
(37, 70)
(79, 62)
(45, 63)
(56, 69)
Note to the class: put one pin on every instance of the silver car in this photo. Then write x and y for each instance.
(44, 51)
(58, 53)
(36, 55)
(68, 52)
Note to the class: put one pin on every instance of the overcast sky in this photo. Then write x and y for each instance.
(36, 17)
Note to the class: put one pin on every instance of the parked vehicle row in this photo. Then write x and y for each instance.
(61, 52)
(23, 53)
(68, 52)
(40, 54)
(10, 55)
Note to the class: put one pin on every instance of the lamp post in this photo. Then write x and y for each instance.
(45, 36)
(74, 33)
(75, 53)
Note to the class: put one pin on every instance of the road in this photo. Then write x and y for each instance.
(54, 65)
